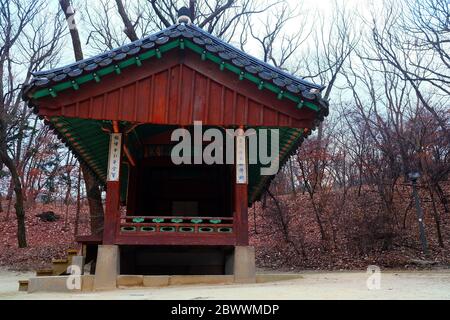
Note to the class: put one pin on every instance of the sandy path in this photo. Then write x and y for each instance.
(313, 285)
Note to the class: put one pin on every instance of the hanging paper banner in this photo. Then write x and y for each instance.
(241, 160)
(115, 146)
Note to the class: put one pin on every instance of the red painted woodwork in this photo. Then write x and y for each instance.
(127, 221)
(158, 227)
(177, 90)
(166, 239)
(112, 212)
(241, 214)
(164, 138)
(89, 239)
(184, 239)
(178, 217)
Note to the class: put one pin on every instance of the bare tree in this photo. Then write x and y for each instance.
(277, 45)
(427, 22)
(129, 27)
(69, 13)
(408, 52)
(222, 18)
(92, 185)
(103, 33)
(22, 30)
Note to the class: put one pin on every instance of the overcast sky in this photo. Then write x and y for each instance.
(310, 10)
(315, 8)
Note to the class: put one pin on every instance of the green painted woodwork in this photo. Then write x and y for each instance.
(205, 230)
(97, 75)
(128, 229)
(91, 143)
(148, 229)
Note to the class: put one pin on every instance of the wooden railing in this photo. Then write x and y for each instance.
(175, 224)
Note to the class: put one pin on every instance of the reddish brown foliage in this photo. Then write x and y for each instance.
(46, 240)
(360, 238)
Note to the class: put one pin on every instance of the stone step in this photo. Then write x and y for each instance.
(72, 252)
(163, 281)
(44, 272)
(60, 261)
(23, 285)
(60, 266)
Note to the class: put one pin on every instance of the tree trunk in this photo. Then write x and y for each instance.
(129, 28)
(285, 227)
(192, 9)
(20, 212)
(442, 197)
(92, 187)
(77, 215)
(74, 35)
(9, 197)
(291, 174)
(67, 198)
(1, 196)
(437, 219)
(317, 214)
(94, 197)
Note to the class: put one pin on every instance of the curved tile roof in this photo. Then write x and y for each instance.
(206, 43)
(286, 82)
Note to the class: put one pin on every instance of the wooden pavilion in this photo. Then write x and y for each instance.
(116, 112)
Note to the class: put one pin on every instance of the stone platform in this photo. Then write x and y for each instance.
(59, 283)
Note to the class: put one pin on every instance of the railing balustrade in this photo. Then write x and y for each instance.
(175, 224)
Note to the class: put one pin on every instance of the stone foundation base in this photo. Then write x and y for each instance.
(240, 268)
(244, 265)
(107, 267)
(59, 284)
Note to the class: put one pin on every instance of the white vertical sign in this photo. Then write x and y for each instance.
(241, 159)
(115, 146)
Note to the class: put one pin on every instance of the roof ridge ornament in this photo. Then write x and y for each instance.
(184, 16)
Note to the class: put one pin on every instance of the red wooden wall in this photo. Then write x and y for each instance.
(177, 89)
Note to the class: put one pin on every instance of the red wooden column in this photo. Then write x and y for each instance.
(112, 206)
(241, 190)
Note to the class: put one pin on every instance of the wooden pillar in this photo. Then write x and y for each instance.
(112, 205)
(241, 191)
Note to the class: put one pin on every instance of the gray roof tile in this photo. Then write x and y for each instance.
(280, 78)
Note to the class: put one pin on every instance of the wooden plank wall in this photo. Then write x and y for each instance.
(178, 92)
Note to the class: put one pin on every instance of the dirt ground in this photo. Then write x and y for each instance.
(312, 285)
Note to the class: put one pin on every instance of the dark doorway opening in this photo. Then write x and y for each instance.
(186, 190)
(176, 260)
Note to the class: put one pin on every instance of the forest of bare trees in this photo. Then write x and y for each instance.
(386, 66)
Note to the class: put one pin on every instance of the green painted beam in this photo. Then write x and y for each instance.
(117, 68)
(92, 145)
